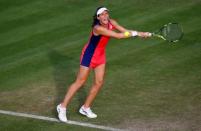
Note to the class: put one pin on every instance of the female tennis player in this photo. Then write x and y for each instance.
(93, 57)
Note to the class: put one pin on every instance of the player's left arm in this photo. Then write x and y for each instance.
(117, 26)
(133, 32)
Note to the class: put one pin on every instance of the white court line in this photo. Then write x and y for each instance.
(56, 120)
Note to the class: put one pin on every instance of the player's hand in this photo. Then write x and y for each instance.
(144, 34)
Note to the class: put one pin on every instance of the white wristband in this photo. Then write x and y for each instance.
(149, 34)
(134, 33)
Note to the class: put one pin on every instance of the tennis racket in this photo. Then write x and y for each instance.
(171, 32)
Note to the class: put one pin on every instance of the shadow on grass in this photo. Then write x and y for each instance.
(64, 73)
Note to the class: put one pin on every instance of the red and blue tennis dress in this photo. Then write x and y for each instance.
(93, 53)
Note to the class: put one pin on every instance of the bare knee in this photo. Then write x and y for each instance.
(98, 83)
(80, 82)
(96, 86)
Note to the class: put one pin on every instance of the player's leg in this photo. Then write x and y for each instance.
(98, 82)
(80, 80)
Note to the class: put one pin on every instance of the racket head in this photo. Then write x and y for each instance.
(172, 32)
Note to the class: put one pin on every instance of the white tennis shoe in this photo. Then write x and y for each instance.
(61, 113)
(87, 112)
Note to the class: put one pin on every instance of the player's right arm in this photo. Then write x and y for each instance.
(133, 32)
(99, 30)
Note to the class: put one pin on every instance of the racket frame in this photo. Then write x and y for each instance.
(155, 34)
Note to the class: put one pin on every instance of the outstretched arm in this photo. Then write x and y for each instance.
(99, 30)
(133, 32)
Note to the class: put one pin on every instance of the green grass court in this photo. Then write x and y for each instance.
(150, 84)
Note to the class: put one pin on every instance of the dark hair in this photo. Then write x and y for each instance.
(95, 20)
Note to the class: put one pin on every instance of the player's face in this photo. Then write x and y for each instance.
(104, 18)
